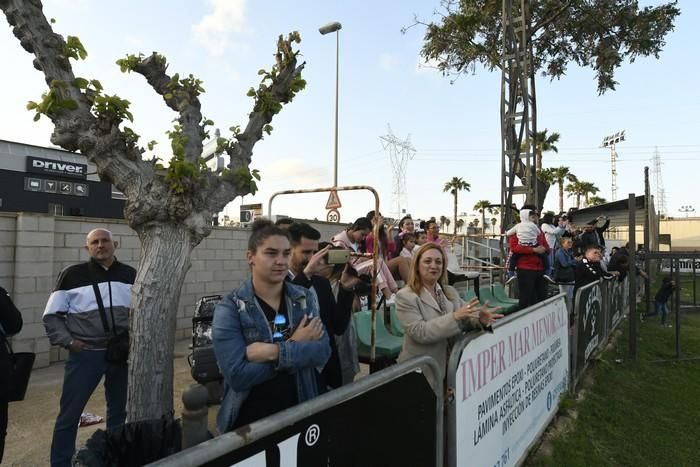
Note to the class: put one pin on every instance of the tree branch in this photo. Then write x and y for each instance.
(180, 96)
(280, 91)
(551, 19)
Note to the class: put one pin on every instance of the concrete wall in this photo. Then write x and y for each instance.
(35, 248)
(685, 233)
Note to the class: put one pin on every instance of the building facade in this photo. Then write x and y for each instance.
(52, 181)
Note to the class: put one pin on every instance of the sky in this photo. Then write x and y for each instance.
(454, 127)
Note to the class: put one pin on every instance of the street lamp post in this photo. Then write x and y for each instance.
(687, 209)
(327, 29)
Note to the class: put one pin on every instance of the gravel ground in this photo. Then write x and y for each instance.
(31, 421)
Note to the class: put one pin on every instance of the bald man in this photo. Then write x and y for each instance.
(89, 305)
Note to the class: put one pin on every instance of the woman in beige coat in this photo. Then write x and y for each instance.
(432, 313)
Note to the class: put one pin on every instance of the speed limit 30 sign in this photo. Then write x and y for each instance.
(333, 216)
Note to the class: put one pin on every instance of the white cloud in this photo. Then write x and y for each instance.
(215, 29)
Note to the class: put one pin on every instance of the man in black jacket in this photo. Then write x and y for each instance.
(10, 323)
(588, 270)
(335, 313)
(592, 234)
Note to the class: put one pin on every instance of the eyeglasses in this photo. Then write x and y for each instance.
(279, 325)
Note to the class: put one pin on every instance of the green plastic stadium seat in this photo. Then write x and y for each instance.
(487, 295)
(396, 328)
(387, 345)
(500, 294)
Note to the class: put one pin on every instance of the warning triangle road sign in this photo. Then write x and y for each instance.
(333, 201)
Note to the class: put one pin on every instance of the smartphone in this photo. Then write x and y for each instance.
(338, 256)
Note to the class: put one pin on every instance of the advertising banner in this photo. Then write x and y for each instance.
(616, 310)
(392, 417)
(589, 305)
(507, 386)
(684, 265)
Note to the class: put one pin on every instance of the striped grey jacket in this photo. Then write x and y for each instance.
(72, 311)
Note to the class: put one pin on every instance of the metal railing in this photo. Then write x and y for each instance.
(226, 449)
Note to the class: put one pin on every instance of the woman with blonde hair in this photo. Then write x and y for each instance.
(431, 312)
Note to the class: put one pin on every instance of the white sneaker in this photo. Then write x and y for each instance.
(391, 300)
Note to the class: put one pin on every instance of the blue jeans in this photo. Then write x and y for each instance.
(82, 373)
(659, 307)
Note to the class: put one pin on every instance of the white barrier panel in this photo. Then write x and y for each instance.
(685, 265)
(507, 386)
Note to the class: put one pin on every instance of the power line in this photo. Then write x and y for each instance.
(400, 152)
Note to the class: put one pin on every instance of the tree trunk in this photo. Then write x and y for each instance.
(455, 226)
(483, 221)
(165, 259)
(561, 196)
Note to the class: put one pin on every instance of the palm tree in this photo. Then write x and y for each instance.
(494, 221)
(557, 175)
(460, 224)
(596, 200)
(588, 188)
(543, 143)
(483, 206)
(580, 188)
(454, 186)
(476, 223)
(447, 222)
(574, 189)
(442, 221)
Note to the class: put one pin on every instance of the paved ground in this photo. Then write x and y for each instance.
(31, 421)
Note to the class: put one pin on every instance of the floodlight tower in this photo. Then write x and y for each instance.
(610, 142)
(400, 152)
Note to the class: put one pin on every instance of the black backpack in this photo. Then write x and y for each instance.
(202, 360)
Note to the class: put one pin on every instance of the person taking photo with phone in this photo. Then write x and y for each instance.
(305, 266)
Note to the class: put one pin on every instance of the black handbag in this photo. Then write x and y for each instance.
(21, 364)
(565, 274)
(118, 348)
(118, 345)
(19, 371)
(204, 366)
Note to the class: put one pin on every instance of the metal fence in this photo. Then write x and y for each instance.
(503, 389)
